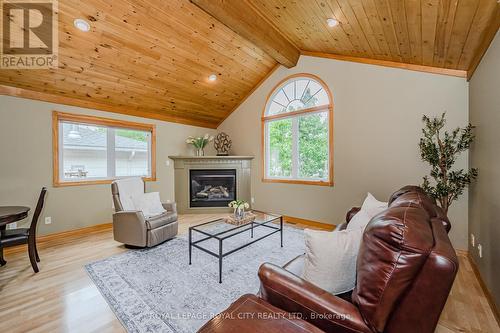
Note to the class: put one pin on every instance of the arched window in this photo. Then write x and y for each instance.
(297, 125)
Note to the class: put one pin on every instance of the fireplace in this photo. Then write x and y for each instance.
(212, 188)
(236, 169)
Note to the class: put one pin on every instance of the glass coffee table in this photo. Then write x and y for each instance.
(218, 231)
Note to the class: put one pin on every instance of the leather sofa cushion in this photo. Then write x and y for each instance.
(416, 199)
(395, 245)
(420, 309)
(404, 190)
(161, 220)
(418, 196)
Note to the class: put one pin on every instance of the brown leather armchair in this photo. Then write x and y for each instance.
(405, 270)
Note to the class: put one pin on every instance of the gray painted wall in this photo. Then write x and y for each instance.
(26, 164)
(484, 206)
(377, 126)
(376, 130)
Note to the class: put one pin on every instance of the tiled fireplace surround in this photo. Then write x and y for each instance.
(183, 164)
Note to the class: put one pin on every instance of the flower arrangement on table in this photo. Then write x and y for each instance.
(199, 143)
(239, 207)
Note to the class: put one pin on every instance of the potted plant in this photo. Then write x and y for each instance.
(199, 143)
(239, 208)
(441, 150)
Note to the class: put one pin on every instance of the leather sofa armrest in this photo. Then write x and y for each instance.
(171, 207)
(441, 215)
(315, 305)
(341, 227)
(129, 227)
(350, 214)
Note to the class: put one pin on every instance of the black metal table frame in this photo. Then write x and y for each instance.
(219, 236)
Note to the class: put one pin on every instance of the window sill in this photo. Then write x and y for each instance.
(92, 182)
(297, 181)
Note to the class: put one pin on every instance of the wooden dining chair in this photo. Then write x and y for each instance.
(21, 236)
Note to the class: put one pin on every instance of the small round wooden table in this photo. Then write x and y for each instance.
(10, 214)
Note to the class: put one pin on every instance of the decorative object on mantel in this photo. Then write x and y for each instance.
(247, 218)
(222, 144)
(441, 153)
(239, 208)
(199, 143)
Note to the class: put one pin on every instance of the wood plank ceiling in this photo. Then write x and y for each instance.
(153, 58)
(438, 33)
(147, 58)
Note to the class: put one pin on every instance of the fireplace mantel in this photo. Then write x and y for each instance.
(183, 165)
(229, 157)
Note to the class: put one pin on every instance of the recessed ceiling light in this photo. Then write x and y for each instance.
(81, 24)
(332, 22)
(212, 77)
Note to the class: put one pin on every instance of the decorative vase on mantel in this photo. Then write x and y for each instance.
(199, 143)
(200, 152)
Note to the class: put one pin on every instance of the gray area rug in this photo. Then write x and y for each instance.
(155, 290)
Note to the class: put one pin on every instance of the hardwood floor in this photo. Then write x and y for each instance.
(62, 298)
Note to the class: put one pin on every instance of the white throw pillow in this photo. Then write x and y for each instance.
(128, 188)
(148, 203)
(360, 220)
(330, 260)
(369, 209)
(373, 206)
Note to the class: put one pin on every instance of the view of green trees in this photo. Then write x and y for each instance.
(312, 139)
(132, 134)
(280, 144)
(313, 146)
(126, 133)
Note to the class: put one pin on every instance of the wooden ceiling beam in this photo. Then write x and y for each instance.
(241, 17)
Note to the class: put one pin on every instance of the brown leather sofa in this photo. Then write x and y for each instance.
(134, 230)
(405, 270)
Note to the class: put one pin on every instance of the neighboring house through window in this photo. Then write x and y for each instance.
(297, 126)
(97, 150)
